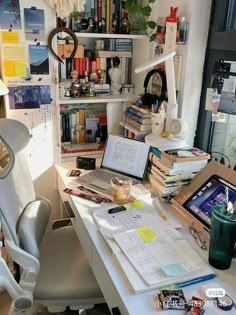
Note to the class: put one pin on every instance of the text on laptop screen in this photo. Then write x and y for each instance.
(213, 192)
(126, 156)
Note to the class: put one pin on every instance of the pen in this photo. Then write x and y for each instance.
(160, 208)
(116, 209)
(183, 284)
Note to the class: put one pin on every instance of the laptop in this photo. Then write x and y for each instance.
(124, 158)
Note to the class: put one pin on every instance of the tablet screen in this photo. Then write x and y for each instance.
(214, 191)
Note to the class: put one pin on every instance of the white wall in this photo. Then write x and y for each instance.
(197, 13)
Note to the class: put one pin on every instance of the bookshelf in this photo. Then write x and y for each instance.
(114, 104)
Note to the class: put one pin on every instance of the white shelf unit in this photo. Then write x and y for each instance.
(115, 105)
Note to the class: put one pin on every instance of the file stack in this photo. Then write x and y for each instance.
(170, 170)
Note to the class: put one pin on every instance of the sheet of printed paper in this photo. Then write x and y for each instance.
(158, 259)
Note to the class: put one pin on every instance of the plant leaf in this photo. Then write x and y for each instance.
(146, 11)
(152, 24)
(152, 37)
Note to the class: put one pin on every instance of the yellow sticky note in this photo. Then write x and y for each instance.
(146, 234)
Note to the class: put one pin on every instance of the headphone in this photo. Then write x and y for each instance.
(50, 45)
(147, 98)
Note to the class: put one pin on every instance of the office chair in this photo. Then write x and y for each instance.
(54, 272)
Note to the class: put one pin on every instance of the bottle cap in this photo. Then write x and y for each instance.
(172, 17)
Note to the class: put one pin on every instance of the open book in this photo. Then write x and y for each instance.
(150, 252)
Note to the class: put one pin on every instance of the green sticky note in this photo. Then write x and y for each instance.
(173, 270)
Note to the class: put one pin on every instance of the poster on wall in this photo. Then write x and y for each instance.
(39, 62)
(34, 24)
(29, 96)
(10, 14)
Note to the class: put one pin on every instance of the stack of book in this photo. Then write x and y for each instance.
(170, 170)
(137, 122)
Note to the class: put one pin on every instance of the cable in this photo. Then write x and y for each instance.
(221, 160)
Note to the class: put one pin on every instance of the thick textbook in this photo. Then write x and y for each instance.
(138, 112)
(141, 120)
(162, 189)
(185, 155)
(171, 182)
(142, 109)
(170, 178)
(137, 125)
(174, 171)
(175, 162)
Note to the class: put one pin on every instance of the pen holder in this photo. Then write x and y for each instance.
(222, 238)
(158, 123)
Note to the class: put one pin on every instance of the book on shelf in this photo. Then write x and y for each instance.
(142, 109)
(174, 171)
(131, 132)
(111, 54)
(138, 112)
(138, 126)
(141, 120)
(170, 178)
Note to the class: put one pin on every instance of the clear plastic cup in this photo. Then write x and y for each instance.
(121, 190)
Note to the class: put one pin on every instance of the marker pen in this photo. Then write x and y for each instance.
(116, 209)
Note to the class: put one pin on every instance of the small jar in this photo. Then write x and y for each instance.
(182, 30)
(128, 89)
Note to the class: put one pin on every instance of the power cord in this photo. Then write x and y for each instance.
(222, 159)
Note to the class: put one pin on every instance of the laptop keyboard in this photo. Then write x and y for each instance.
(102, 175)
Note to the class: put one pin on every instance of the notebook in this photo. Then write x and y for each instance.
(122, 157)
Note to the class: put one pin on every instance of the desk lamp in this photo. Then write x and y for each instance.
(3, 89)
(172, 106)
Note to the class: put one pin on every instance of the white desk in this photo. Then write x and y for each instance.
(107, 272)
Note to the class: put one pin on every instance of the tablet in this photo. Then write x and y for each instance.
(214, 191)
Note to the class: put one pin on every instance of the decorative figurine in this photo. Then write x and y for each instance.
(115, 76)
(124, 27)
(74, 75)
(115, 28)
(90, 24)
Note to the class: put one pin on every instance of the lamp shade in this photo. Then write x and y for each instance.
(3, 88)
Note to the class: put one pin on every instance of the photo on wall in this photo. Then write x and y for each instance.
(30, 96)
(10, 14)
(39, 62)
(34, 24)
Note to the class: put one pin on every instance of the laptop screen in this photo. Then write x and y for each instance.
(214, 191)
(126, 156)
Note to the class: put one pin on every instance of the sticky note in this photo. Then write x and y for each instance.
(146, 234)
(173, 270)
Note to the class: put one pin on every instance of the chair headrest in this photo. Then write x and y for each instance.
(15, 136)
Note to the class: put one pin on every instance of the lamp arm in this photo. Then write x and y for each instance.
(172, 107)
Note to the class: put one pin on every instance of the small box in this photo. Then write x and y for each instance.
(68, 48)
(85, 163)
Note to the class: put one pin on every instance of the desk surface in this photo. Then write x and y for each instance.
(108, 273)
